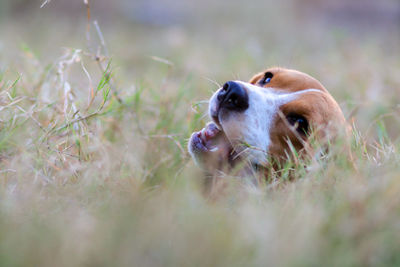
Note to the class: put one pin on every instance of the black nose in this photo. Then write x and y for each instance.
(233, 96)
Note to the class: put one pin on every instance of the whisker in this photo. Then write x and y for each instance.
(204, 115)
(212, 81)
(236, 76)
(198, 103)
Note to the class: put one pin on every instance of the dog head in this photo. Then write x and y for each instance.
(276, 110)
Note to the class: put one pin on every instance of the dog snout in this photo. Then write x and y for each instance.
(233, 96)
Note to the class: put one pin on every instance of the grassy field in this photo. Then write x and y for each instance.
(93, 163)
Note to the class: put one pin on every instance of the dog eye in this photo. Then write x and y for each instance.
(267, 78)
(298, 122)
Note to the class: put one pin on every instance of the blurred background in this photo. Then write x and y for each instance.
(353, 47)
(215, 39)
(220, 39)
(93, 178)
(205, 36)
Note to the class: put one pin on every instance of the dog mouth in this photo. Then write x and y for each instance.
(211, 140)
(206, 140)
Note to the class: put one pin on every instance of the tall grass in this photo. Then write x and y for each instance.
(93, 163)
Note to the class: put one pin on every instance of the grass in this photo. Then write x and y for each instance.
(93, 163)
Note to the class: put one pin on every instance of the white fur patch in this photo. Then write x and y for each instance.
(249, 131)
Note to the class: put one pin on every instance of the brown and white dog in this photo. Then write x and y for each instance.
(263, 120)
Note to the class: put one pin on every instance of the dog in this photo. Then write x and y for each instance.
(259, 123)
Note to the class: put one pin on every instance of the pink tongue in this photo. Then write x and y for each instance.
(210, 131)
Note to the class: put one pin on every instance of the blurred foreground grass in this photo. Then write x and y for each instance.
(93, 162)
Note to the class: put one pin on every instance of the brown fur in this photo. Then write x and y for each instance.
(320, 109)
